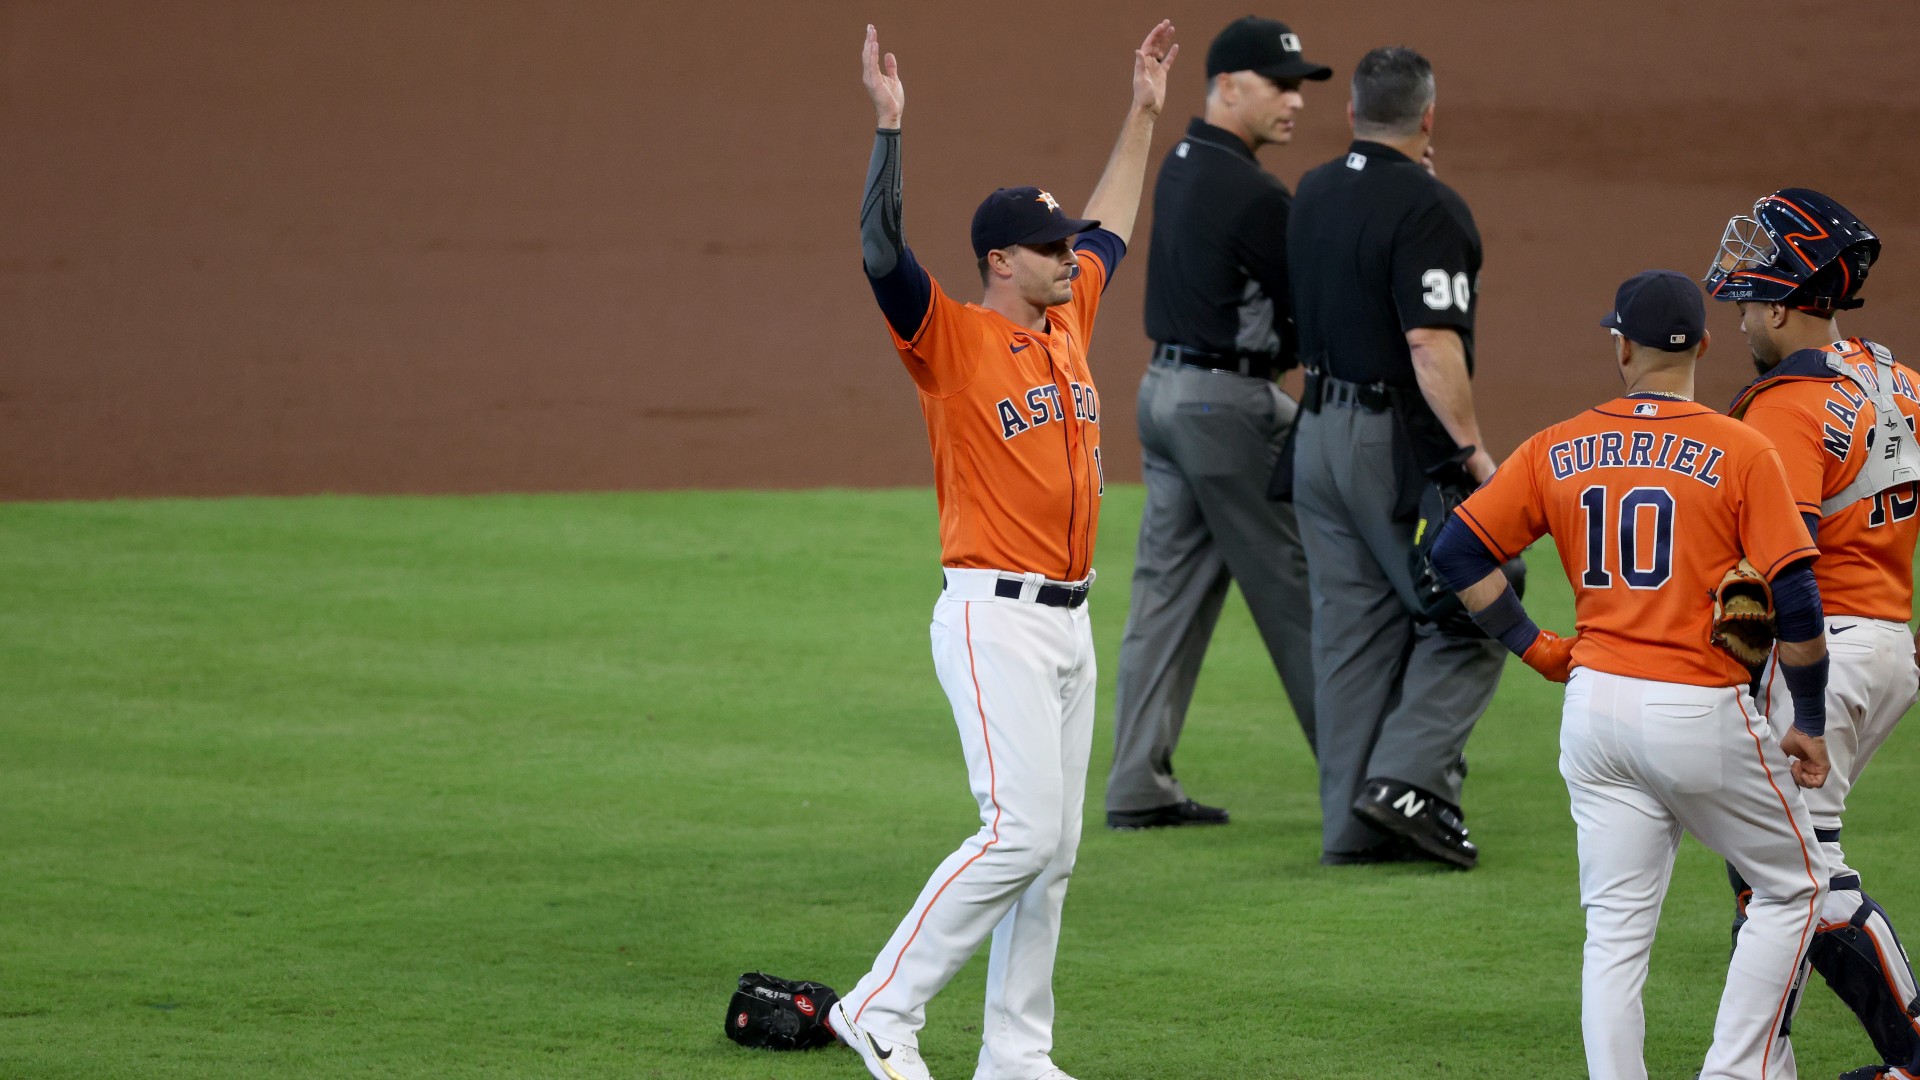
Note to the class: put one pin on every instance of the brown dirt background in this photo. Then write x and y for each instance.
(470, 245)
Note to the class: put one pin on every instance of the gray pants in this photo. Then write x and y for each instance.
(1397, 698)
(1209, 441)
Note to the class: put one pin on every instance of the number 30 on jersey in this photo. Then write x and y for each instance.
(1444, 291)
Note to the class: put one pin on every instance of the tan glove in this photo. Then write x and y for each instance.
(1743, 615)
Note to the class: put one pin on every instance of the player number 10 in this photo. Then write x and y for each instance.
(1637, 509)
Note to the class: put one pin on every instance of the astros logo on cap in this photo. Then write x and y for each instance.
(1053, 204)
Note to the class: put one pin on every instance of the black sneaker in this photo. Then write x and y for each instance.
(1160, 817)
(1432, 824)
(1391, 850)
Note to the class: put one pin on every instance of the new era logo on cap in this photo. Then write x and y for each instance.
(1290, 42)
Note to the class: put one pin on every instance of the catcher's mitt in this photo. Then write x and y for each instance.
(1743, 615)
(780, 1014)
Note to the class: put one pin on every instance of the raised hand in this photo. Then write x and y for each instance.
(882, 80)
(1150, 63)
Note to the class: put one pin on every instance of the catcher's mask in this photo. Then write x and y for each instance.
(1797, 247)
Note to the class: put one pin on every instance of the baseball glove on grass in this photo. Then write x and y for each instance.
(780, 1014)
(1743, 615)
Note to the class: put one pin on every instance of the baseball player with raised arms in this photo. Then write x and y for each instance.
(1651, 498)
(1013, 421)
(1841, 412)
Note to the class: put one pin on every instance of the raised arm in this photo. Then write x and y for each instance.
(1116, 198)
(881, 241)
(902, 289)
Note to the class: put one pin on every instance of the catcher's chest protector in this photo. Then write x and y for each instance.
(1892, 457)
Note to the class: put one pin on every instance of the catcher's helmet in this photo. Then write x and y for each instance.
(1798, 247)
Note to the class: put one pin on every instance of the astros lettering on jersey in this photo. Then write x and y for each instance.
(1817, 419)
(1014, 424)
(1650, 501)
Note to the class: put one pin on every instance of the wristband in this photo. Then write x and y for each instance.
(1807, 685)
(1507, 622)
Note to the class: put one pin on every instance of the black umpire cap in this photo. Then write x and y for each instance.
(1660, 309)
(1262, 46)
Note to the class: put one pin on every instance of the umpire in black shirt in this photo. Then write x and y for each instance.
(1385, 264)
(1212, 421)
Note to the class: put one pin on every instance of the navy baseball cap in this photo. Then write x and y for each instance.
(1660, 309)
(1264, 46)
(1022, 215)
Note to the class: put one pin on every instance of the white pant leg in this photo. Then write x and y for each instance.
(1871, 682)
(1000, 662)
(1627, 841)
(1713, 759)
(1017, 1032)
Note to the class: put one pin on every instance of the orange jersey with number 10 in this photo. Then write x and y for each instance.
(1821, 423)
(1014, 425)
(1650, 501)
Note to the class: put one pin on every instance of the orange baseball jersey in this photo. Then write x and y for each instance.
(1014, 424)
(1650, 500)
(1821, 422)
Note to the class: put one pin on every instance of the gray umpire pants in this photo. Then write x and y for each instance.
(1396, 698)
(1209, 442)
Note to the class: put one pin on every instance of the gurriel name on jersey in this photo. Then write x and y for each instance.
(1636, 450)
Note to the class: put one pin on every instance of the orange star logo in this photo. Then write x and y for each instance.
(1053, 204)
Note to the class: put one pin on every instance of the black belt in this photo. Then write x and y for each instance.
(1050, 595)
(1254, 367)
(1066, 596)
(1373, 397)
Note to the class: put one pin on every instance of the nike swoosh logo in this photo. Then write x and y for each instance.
(1841, 629)
(877, 1052)
(1020, 348)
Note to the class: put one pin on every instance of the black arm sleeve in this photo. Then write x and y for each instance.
(880, 238)
(900, 286)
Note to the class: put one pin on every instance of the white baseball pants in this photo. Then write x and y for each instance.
(1020, 677)
(1871, 682)
(1644, 760)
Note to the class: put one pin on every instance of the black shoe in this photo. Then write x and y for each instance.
(1160, 817)
(1871, 1072)
(1391, 850)
(1429, 822)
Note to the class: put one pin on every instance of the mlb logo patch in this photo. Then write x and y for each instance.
(1356, 161)
(1646, 408)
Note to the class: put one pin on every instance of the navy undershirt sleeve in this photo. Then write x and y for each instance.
(1813, 525)
(1107, 245)
(904, 294)
(1460, 557)
(1797, 613)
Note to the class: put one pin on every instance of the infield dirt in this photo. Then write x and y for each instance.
(451, 247)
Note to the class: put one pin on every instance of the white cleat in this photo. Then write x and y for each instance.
(884, 1061)
(1055, 1073)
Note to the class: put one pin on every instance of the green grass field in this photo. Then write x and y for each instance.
(516, 786)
